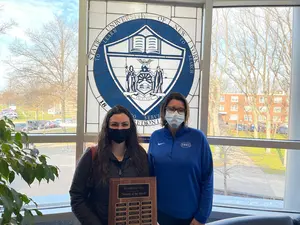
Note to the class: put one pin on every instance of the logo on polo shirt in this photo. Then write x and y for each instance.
(186, 145)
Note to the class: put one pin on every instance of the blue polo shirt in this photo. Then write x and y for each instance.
(183, 168)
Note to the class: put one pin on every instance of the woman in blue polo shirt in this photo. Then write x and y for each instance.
(181, 160)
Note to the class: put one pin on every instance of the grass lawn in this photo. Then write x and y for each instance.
(212, 148)
(272, 163)
(261, 135)
(217, 163)
(26, 114)
(70, 145)
(54, 130)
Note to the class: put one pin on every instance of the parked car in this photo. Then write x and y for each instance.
(20, 127)
(41, 124)
(50, 124)
(57, 123)
(9, 113)
(33, 124)
(283, 129)
(12, 115)
(242, 127)
(261, 128)
(23, 127)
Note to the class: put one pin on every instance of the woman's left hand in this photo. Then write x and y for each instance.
(195, 222)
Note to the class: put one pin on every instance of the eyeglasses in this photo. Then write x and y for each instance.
(181, 111)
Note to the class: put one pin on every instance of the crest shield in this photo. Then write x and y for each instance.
(151, 67)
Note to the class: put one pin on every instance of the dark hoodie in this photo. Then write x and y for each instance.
(90, 204)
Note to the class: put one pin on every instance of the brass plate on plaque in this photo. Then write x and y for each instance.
(132, 201)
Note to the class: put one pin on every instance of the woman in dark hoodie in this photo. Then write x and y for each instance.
(118, 154)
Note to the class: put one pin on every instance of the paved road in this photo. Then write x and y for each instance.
(252, 181)
(244, 178)
(63, 156)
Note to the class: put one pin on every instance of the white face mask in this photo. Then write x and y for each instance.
(174, 119)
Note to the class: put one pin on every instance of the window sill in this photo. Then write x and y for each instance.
(57, 207)
(241, 205)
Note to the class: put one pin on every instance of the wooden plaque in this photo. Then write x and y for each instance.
(132, 201)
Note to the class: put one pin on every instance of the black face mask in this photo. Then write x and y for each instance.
(118, 135)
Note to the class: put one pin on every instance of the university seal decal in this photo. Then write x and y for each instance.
(138, 59)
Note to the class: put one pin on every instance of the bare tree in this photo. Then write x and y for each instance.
(5, 25)
(247, 50)
(282, 34)
(10, 95)
(35, 96)
(232, 158)
(218, 81)
(227, 153)
(254, 62)
(215, 90)
(218, 86)
(48, 59)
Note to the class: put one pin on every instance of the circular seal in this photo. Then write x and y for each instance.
(138, 59)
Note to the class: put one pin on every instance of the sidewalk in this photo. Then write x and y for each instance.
(244, 177)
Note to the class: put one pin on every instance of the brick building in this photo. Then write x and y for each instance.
(239, 108)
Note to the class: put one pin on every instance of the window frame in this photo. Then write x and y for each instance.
(277, 102)
(249, 118)
(247, 108)
(222, 98)
(249, 142)
(234, 108)
(276, 119)
(263, 109)
(235, 116)
(205, 82)
(234, 99)
(261, 100)
(277, 111)
(80, 137)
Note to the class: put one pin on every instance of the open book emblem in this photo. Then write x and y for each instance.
(152, 65)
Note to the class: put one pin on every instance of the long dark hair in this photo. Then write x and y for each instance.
(177, 96)
(135, 151)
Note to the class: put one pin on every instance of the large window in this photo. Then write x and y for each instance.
(249, 95)
(249, 175)
(251, 64)
(38, 85)
(251, 57)
(38, 64)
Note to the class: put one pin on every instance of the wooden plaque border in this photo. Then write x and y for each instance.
(126, 215)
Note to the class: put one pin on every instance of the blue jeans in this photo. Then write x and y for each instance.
(164, 219)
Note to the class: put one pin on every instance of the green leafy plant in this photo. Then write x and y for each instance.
(16, 160)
